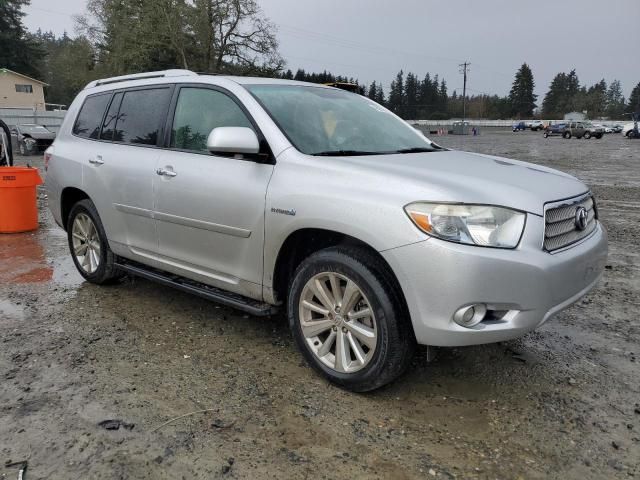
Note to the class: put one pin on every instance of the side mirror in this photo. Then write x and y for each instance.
(240, 140)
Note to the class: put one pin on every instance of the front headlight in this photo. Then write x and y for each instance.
(482, 225)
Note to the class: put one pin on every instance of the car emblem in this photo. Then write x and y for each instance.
(582, 218)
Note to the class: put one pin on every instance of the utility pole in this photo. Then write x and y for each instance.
(464, 69)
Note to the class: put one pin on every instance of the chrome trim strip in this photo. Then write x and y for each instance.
(202, 225)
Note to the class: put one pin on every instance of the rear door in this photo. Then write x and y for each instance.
(210, 212)
(120, 168)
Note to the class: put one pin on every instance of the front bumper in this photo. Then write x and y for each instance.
(438, 278)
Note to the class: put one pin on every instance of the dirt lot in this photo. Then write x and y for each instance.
(563, 402)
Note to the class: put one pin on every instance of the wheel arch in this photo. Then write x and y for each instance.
(68, 198)
(303, 242)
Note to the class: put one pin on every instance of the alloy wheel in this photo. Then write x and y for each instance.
(86, 243)
(338, 322)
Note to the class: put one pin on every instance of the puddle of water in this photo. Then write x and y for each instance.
(10, 311)
(36, 257)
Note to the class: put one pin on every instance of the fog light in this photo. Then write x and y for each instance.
(470, 315)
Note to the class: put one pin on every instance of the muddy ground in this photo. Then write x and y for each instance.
(562, 402)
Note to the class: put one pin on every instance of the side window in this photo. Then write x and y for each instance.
(141, 116)
(90, 117)
(198, 111)
(109, 127)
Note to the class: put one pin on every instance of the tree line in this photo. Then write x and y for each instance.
(117, 37)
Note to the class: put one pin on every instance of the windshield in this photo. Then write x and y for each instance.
(324, 121)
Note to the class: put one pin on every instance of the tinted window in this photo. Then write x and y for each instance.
(90, 116)
(199, 111)
(142, 113)
(109, 126)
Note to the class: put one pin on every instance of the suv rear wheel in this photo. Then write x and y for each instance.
(88, 244)
(347, 319)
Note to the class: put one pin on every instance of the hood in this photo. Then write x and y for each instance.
(452, 176)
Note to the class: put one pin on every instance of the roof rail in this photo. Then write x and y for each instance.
(142, 76)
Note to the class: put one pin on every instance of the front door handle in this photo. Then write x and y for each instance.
(166, 173)
(97, 160)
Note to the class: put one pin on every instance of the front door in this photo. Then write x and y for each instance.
(210, 209)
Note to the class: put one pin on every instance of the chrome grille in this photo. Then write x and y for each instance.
(560, 223)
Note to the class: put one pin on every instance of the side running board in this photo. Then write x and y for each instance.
(217, 295)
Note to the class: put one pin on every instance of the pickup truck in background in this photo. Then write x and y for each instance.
(557, 129)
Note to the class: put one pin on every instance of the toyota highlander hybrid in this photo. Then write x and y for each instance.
(263, 194)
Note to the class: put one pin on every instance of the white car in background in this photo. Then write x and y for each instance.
(627, 129)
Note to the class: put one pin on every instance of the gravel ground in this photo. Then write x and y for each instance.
(562, 402)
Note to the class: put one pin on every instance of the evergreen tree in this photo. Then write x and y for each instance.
(18, 50)
(68, 66)
(561, 96)
(373, 91)
(443, 98)
(615, 100)
(523, 100)
(411, 97)
(634, 100)
(551, 102)
(396, 95)
(380, 95)
(425, 97)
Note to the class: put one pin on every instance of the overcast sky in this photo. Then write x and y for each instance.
(374, 39)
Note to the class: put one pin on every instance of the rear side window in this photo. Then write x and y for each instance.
(90, 117)
(141, 115)
(109, 127)
(199, 111)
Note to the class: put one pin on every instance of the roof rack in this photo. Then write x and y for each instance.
(142, 76)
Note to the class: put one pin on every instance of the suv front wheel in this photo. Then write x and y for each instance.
(88, 245)
(348, 320)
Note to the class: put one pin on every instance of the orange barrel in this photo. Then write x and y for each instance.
(18, 203)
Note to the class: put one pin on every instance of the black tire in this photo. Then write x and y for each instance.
(566, 135)
(106, 272)
(395, 343)
(545, 134)
(587, 135)
(598, 137)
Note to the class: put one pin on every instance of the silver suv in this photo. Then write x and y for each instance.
(264, 194)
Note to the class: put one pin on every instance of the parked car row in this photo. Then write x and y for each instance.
(586, 129)
(573, 129)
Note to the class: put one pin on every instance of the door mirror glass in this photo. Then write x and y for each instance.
(239, 140)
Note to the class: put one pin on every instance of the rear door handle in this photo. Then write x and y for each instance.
(97, 160)
(166, 173)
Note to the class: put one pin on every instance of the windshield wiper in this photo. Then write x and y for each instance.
(416, 150)
(344, 153)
